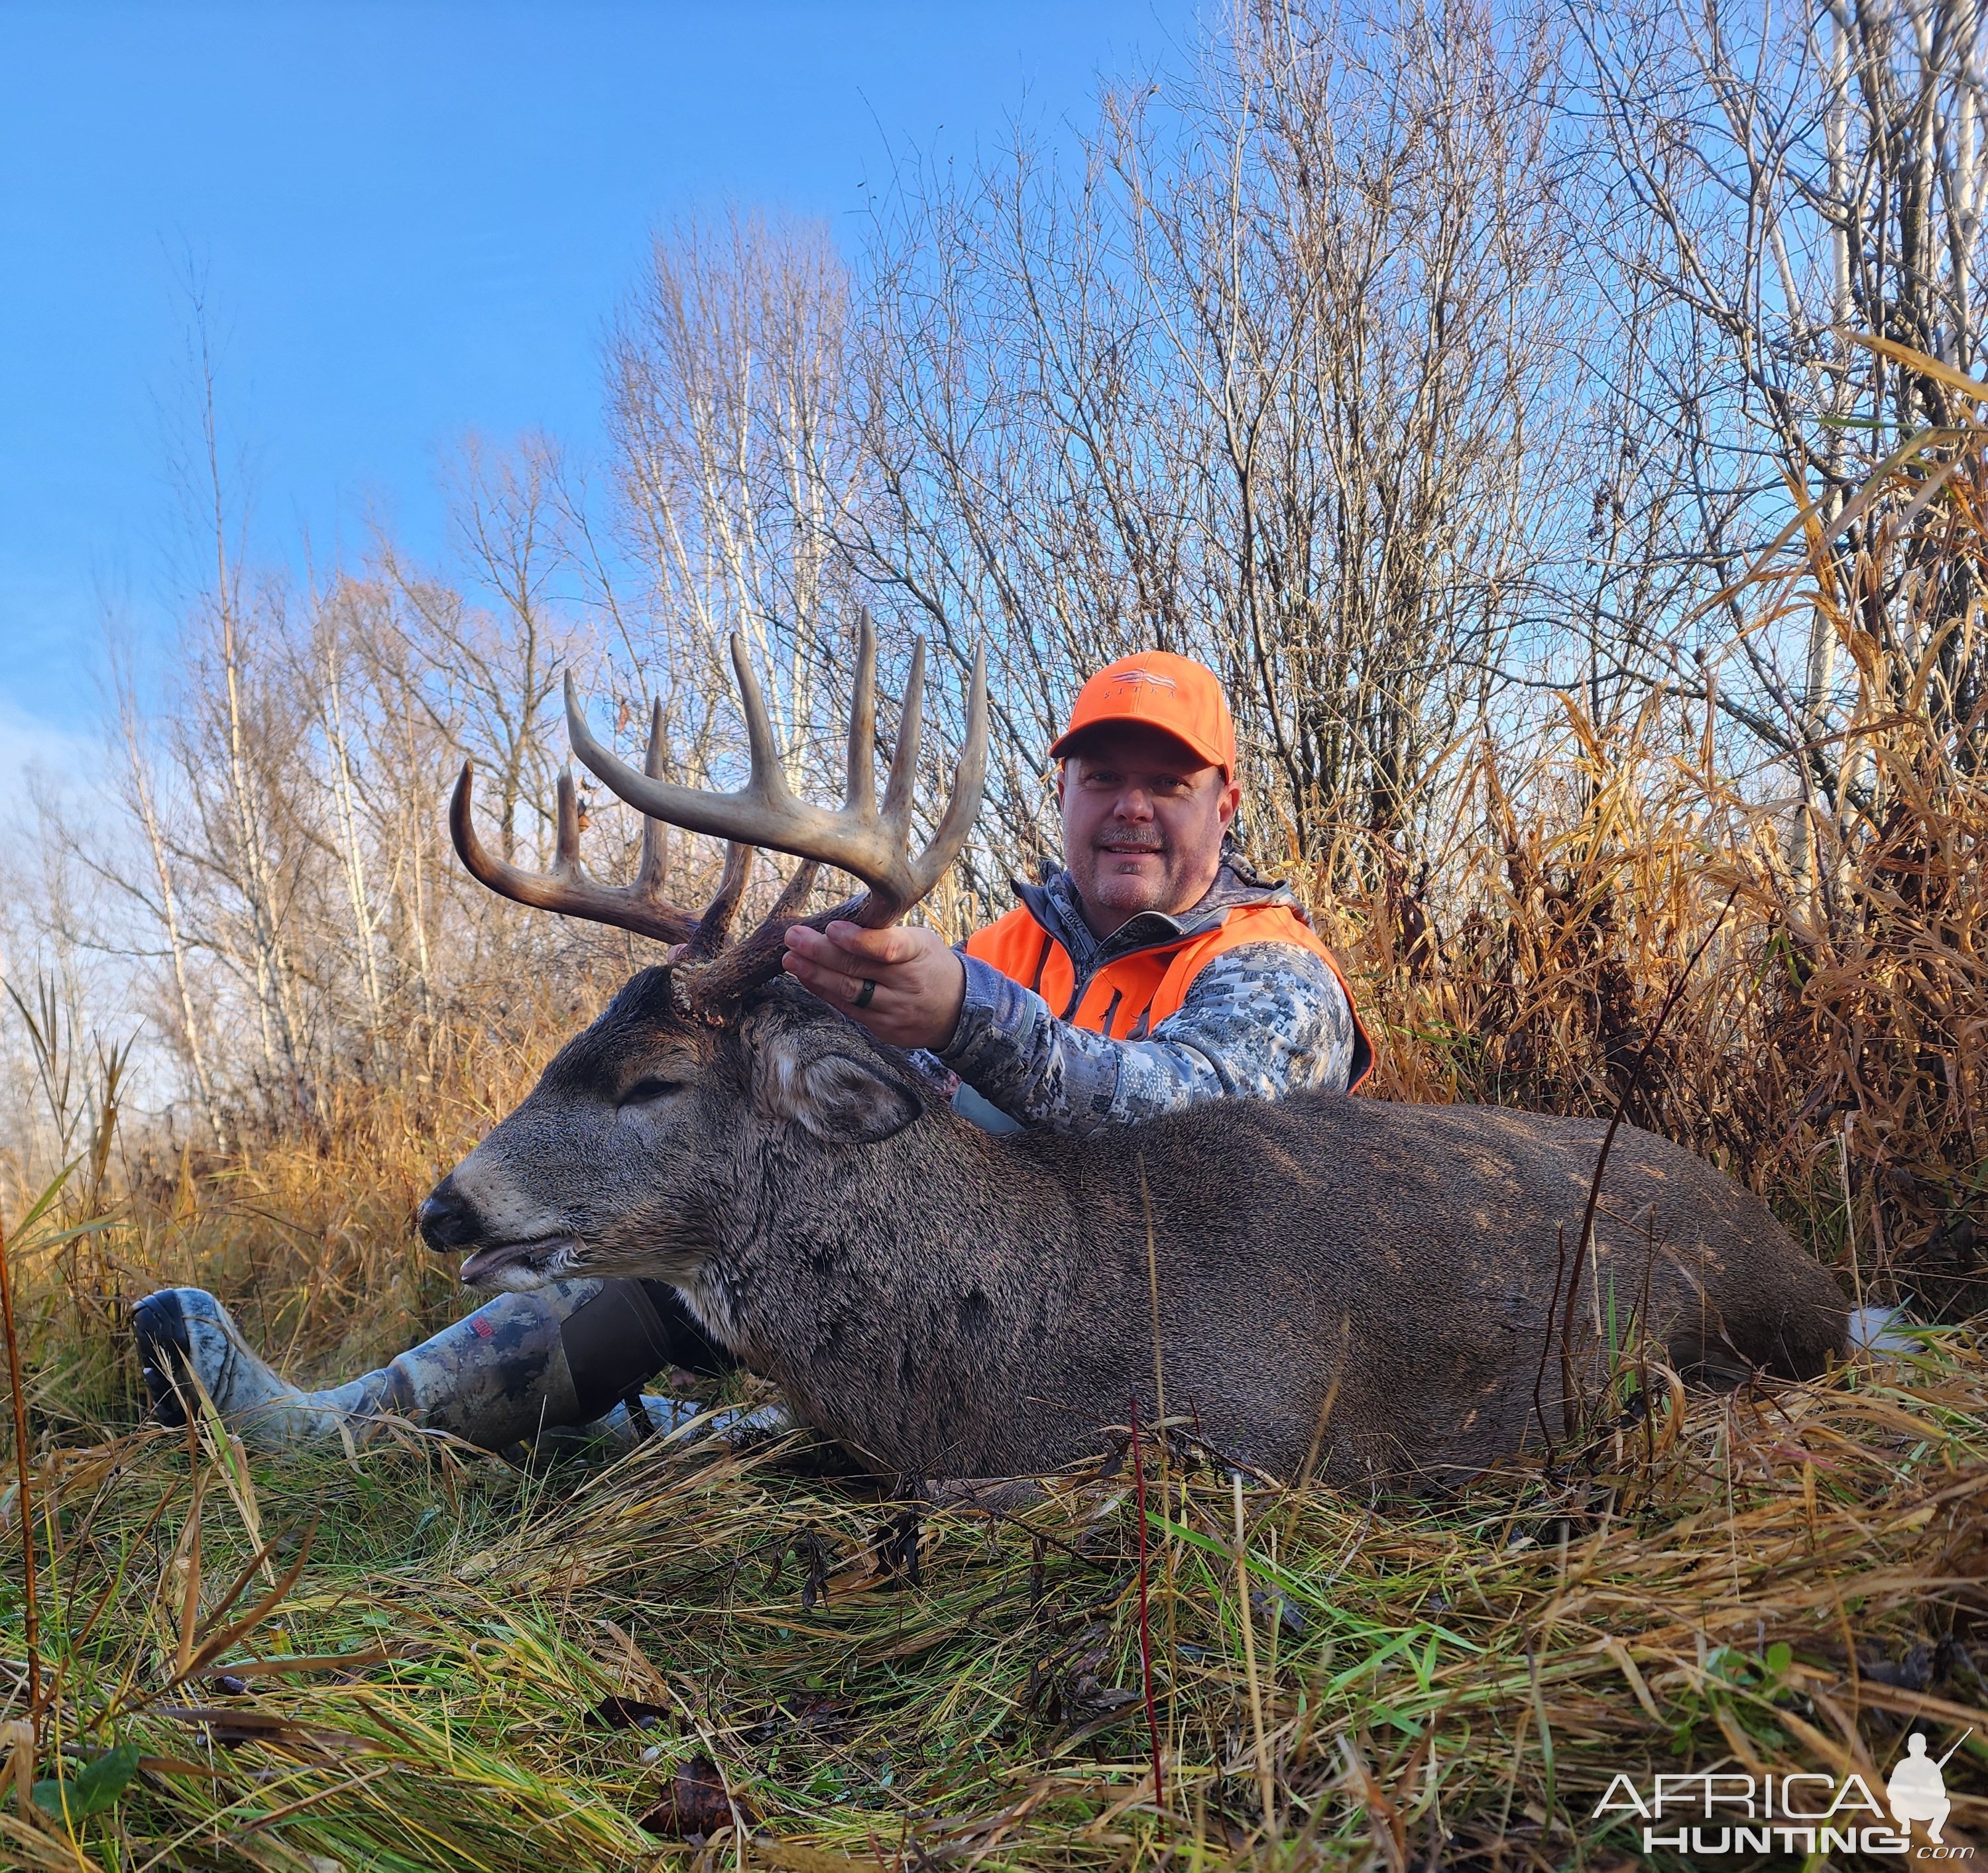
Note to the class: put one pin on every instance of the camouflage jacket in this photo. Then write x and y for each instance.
(1259, 1021)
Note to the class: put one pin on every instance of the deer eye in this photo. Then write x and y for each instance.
(646, 1092)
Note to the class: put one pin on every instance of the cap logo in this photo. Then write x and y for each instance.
(1145, 676)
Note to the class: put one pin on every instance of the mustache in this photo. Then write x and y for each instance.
(1151, 840)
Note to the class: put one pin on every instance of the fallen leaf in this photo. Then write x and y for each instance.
(806, 1713)
(617, 1712)
(232, 1726)
(696, 1805)
(1085, 1695)
(791, 1857)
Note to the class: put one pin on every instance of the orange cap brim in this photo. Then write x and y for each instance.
(1066, 743)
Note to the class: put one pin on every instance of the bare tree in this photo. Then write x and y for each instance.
(1270, 382)
(737, 464)
(1781, 182)
(1349, 359)
(140, 801)
(498, 663)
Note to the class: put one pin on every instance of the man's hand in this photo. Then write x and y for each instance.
(920, 983)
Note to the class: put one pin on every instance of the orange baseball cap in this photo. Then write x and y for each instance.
(1157, 690)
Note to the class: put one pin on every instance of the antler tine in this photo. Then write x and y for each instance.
(762, 812)
(860, 794)
(767, 781)
(655, 834)
(871, 845)
(758, 958)
(567, 889)
(565, 828)
(905, 757)
(715, 924)
(955, 826)
(793, 894)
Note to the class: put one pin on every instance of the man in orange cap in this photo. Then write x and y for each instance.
(1155, 970)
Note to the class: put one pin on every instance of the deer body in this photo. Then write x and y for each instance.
(949, 1303)
(1385, 1288)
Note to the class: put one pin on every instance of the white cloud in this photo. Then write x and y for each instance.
(68, 758)
(25, 737)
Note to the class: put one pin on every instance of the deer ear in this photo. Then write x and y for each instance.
(840, 1097)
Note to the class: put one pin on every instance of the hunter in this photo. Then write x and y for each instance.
(1154, 971)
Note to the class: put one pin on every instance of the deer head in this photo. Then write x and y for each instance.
(617, 1161)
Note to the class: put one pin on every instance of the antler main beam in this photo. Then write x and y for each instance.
(869, 842)
(640, 907)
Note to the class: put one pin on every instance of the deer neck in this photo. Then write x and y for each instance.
(860, 1280)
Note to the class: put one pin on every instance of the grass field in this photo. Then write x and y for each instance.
(424, 1658)
(416, 1656)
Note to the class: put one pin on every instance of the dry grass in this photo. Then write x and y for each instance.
(471, 1666)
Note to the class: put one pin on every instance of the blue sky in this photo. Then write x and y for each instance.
(407, 221)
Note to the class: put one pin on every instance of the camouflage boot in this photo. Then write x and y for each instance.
(572, 1354)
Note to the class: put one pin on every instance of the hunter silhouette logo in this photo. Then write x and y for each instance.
(1916, 1788)
(1707, 1814)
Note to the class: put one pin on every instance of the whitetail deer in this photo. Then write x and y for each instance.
(1370, 1286)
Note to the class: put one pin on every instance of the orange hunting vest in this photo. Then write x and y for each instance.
(1134, 994)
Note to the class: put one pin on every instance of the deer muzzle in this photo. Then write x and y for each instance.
(452, 1222)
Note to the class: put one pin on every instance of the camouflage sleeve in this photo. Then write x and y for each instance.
(1259, 1022)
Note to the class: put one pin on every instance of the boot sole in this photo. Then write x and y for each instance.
(158, 1325)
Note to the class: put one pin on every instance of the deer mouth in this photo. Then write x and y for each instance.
(520, 1265)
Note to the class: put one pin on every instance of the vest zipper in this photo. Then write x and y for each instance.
(1118, 996)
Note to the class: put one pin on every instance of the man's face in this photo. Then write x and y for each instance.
(1143, 818)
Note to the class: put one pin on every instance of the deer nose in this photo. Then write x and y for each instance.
(448, 1223)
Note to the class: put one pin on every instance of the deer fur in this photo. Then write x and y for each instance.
(1361, 1285)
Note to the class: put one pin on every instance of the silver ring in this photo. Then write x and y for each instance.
(862, 997)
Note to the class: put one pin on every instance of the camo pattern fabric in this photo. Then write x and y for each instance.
(1259, 1021)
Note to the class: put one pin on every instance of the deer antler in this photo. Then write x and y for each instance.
(871, 843)
(640, 907)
